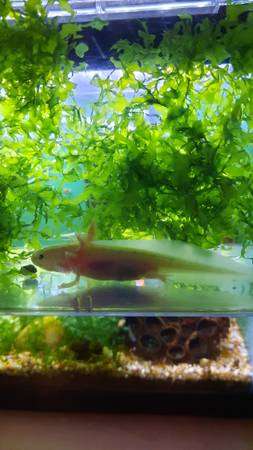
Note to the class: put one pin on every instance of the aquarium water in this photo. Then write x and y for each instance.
(126, 194)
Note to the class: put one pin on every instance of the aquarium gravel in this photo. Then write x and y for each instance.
(231, 365)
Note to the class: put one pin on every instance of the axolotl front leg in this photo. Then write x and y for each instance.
(82, 241)
(70, 283)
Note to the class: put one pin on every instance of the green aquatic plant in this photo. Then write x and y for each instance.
(9, 329)
(61, 338)
(43, 335)
(175, 158)
(104, 331)
(172, 160)
(35, 84)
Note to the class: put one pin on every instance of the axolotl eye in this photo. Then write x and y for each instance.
(41, 256)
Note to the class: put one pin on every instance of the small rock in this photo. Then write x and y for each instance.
(204, 362)
(28, 269)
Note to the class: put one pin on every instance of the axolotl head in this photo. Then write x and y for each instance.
(56, 259)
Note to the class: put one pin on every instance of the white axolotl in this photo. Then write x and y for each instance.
(109, 262)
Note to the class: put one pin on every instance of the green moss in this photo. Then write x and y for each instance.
(99, 330)
(44, 334)
(56, 339)
(9, 329)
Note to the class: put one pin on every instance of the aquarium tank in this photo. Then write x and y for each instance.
(126, 204)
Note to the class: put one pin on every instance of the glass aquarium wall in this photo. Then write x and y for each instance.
(125, 198)
(128, 9)
(201, 365)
